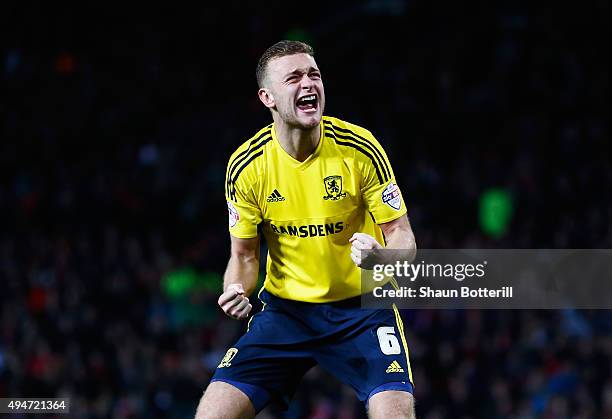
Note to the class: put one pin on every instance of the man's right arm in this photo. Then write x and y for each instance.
(240, 278)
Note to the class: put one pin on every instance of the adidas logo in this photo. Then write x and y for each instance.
(275, 197)
(394, 367)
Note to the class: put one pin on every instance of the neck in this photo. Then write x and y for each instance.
(298, 142)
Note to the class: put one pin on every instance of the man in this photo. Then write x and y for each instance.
(322, 190)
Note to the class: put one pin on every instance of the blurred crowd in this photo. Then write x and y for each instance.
(115, 133)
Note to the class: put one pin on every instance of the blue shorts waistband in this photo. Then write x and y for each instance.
(269, 298)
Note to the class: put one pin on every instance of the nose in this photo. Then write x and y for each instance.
(306, 83)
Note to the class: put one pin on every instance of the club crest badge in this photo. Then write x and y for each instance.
(233, 214)
(227, 359)
(333, 188)
(391, 196)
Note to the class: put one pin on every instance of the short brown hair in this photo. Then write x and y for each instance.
(280, 49)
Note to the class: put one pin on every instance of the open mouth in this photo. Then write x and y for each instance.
(307, 103)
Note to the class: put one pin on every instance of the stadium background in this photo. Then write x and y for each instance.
(115, 129)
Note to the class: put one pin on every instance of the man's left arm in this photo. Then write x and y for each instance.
(398, 236)
(383, 200)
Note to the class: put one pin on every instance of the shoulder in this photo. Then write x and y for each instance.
(253, 147)
(344, 127)
(244, 164)
(362, 145)
(348, 135)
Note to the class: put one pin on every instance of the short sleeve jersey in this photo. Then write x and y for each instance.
(307, 211)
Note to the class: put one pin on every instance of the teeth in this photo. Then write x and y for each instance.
(311, 97)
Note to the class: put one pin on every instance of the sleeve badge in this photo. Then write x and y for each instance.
(233, 214)
(391, 196)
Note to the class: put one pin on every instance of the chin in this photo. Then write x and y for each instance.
(310, 121)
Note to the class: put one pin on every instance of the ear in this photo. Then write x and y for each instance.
(266, 97)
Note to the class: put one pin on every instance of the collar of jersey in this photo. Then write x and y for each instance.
(289, 158)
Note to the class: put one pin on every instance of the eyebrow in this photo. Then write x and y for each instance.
(298, 71)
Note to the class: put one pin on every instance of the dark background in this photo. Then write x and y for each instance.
(115, 128)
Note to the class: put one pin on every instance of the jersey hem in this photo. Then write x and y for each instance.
(313, 301)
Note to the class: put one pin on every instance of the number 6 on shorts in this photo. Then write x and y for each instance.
(389, 345)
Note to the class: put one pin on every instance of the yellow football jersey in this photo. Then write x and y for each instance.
(308, 210)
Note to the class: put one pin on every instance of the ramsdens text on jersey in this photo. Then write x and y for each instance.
(310, 230)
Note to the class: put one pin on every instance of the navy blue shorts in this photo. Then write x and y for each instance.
(363, 348)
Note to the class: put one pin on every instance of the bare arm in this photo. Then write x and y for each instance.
(240, 277)
(398, 235)
(243, 265)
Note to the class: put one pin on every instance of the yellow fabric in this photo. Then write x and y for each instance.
(400, 327)
(308, 210)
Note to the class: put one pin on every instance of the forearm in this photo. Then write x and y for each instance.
(242, 269)
(400, 245)
(401, 238)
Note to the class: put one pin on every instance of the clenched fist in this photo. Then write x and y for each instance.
(234, 303)
(360, 242)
